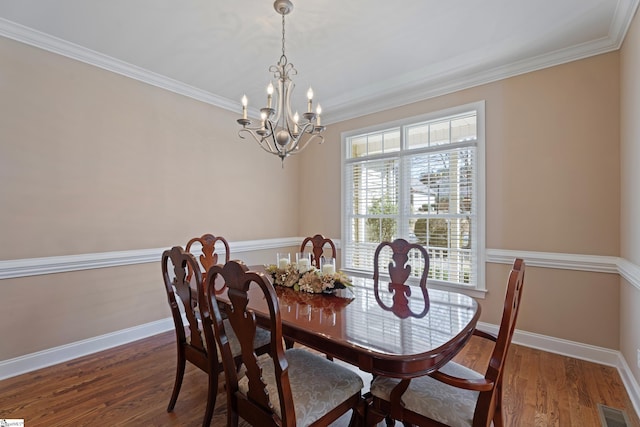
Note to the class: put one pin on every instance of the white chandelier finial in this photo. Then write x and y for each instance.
(280, 132)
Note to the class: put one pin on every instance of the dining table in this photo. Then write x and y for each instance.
(349, 324)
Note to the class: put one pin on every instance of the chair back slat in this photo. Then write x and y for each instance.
(238, 280)
(318, 242)
(209, 256)
(399, 269)
(179, 283)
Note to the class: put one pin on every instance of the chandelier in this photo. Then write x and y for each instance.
(279, 131)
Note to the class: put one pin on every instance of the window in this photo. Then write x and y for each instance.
(421, 179)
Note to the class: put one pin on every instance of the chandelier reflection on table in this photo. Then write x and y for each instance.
(280, 132)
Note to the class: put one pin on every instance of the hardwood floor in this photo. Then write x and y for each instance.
(130, 386)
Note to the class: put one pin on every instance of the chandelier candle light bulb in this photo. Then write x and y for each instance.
(269, 94)
(244, 107)
(263, 117)
(281, 133)
(310, 98)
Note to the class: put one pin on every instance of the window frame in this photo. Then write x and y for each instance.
(477, 289)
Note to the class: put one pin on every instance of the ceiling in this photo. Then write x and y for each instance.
(360, 56)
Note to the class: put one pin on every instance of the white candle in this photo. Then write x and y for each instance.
(318, 111)
(328, 269)
(263, 116)
(283, 263)
(303, 265)
(244, 106)
(310, 98)
(269, 94)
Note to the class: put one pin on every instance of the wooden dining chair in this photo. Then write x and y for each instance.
(209, 255)
(195, 340)
(399, 269)
(318, 242)
(291, 387)
(454, 395)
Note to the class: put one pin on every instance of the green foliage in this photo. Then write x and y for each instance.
(382, 229)
(438, 232)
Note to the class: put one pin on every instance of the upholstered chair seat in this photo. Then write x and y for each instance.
(433, 399)
(454, 395)
(317, 385)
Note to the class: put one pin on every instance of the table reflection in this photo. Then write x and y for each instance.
(354, 316)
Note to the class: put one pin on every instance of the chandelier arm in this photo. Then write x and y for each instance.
(274, 147)
(301, 132)
(304, 145)
(259, 140)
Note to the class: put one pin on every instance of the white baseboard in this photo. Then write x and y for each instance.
(591, 353)
(53, 356)
(42, 359)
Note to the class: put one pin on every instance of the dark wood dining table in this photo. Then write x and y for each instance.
(351, 326)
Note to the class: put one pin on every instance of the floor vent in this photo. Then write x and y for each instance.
(612, 417)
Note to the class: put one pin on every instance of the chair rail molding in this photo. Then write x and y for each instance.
(58, 264)
(563, 261)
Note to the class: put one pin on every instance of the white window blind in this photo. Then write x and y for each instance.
(421, 179)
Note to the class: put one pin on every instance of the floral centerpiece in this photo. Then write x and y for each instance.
(312, 280)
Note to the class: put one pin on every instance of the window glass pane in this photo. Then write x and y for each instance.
(392, 141)
(465, 171)
(418, 136)
(375, 144)
(439, 133)
(430, 182)
(358, 147)
(374, 196)
(463, 129)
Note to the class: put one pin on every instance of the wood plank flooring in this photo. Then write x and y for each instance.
(131, 385)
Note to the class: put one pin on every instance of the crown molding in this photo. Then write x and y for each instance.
(461, 78)
(399, 92)
(20, 33)
(448, 82)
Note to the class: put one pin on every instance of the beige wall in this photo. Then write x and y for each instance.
(552, 160)
(98, 162)
(91, 161)
(630, 196)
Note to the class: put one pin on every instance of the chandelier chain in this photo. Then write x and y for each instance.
(283, 36)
